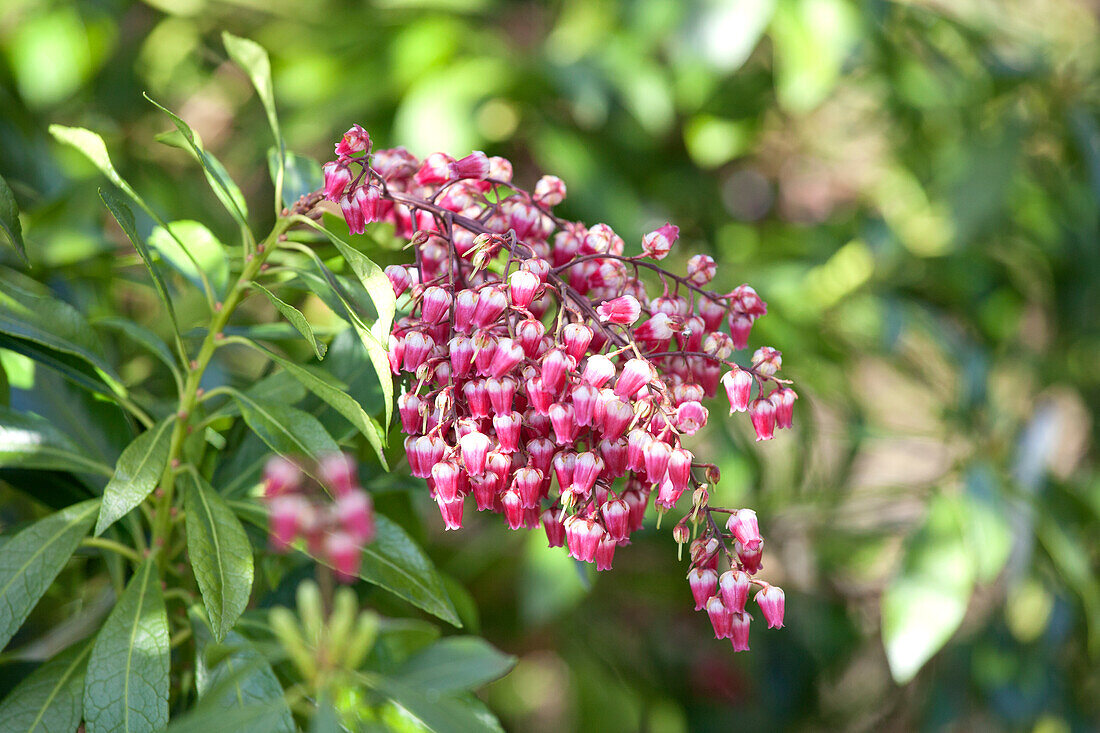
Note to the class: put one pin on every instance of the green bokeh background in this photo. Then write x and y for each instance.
(913, 187)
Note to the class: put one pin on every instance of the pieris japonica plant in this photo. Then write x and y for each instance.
(168, 521)
(544, 374)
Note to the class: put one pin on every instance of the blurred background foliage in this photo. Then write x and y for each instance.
(913, 187)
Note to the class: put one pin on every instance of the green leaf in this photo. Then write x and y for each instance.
(30, 441)
(143, 336)
(454, 664)
(249, 718)
(296, 319)
(235, 676)
(137, 472)
(220, 553)
(52, 697)
(396, 563)
(302, 176)
(72, 368)
(252, 57)
(9, 219)
(436, 713)
(31, 559)
(190, 247)
(335, 396)
(125, 218)
(374, 345)
(91, 145)
(28, 311)
(924, 605)
(287, 430)
(223, 186)
(126, 686)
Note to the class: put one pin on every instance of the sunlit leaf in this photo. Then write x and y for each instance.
(137, 473)
(924, 605)
(296, 319)
(189, 247)
(126, 685)
(223, 186)
(220, 554)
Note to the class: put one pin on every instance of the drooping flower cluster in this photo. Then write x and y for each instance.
(544, 377)
(334, 515)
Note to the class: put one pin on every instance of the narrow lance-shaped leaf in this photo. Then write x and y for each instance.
(194, 251)
(137, 472)
(296, 319)
(455, 664)
(378, 286)
(29, 441)
(252, 57)
(395, 562)
(439, 714)
(340, 400)
(220, 553)
(125, 218)
(224, 187)
(287, 430)
(334, 295)
(31, 559)
(235, 676)
(9, 219)
(143, 336)
(126, 685)
(28, 311)
(52, 697)
(93, 148)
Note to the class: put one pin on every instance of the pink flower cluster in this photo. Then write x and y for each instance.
(545, 377)
(335, 524)
(724, 596)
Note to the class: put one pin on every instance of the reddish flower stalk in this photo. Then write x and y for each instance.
(543, 377)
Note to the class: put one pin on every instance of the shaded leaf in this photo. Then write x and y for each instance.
(126, 685)
(125, 218)
(220, 554)
(28, 311)
(143, 336)
(296, 319)
(335, 396)
(31, 559)
(52, 697)
(287, 430)
(235, 676)
(9, 219)
(395, 562)
(437, 713)
(30, 441)
(137, 472)
(302, 175)
(453, 664)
